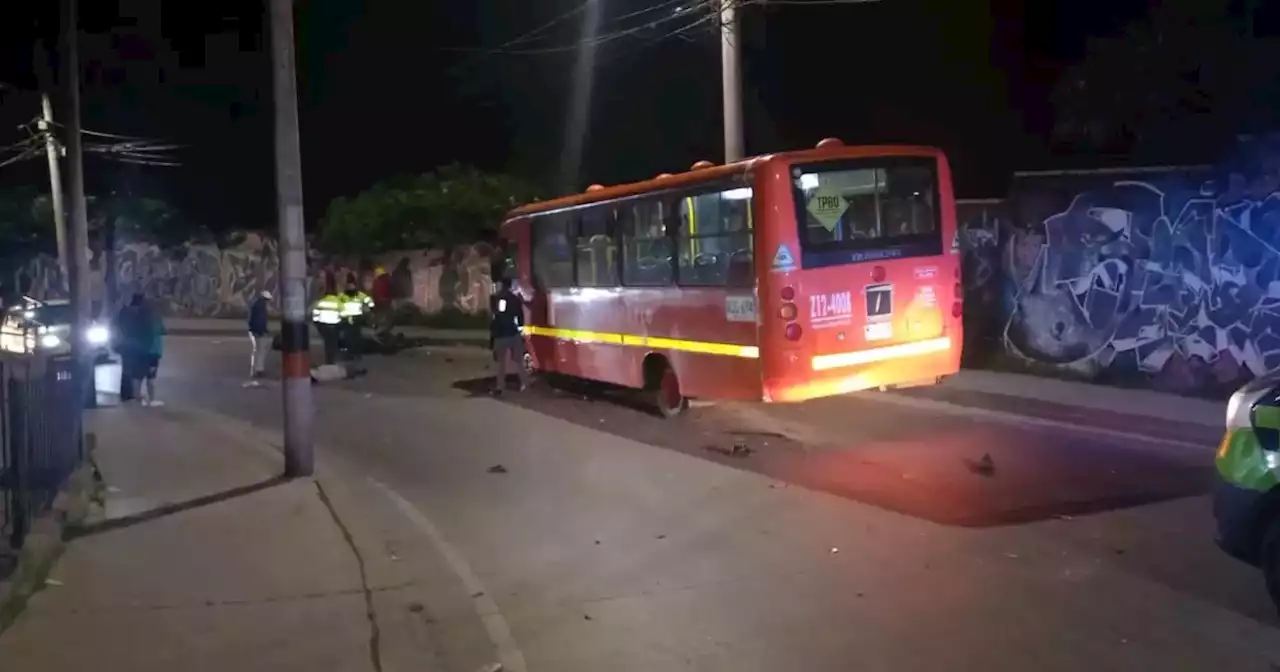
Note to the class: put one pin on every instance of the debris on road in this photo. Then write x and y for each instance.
(662, 536)
(737, 450)
(983, 467)
(497, 469)
(1012, 556)
(586, 617)
(834, 550)
(416, 608)
(52, 582)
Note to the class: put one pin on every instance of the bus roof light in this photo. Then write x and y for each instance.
(877, 274)
(595, 187)
(830, 142)
(701, 165)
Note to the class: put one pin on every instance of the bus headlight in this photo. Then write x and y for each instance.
(50, 341)
(97, 335)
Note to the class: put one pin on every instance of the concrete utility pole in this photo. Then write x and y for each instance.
(731, 80)
(55, 181)
(296, 351)
(78, 240)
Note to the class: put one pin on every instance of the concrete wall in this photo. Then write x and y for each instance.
(1165, 278)
(203, 280)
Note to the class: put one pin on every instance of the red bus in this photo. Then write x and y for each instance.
(778, 278)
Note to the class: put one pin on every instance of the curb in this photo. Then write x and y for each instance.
(76, 505)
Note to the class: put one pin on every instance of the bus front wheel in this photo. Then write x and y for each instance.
(664, 391)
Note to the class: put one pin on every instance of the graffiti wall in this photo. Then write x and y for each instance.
(204, 280)
(984, 225)
(1166, 278)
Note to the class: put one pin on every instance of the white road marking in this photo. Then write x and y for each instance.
(509, 654)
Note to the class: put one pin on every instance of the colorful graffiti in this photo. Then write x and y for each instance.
(1169, 280)
(203, 280)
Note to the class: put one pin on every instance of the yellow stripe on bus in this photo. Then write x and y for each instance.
(701, 347)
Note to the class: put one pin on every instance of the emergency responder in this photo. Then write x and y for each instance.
(327, 316)
(355, 314)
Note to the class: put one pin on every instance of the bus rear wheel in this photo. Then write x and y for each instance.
(664, 392)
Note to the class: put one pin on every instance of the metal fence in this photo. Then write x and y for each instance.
(41, 438)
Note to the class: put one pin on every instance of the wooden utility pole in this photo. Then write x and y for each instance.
(299, 459)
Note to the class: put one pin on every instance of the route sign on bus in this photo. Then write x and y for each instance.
(827, 205)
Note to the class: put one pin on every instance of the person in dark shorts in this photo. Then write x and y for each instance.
(141, 344)
(506, 333)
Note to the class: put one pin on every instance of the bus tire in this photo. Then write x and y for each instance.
(663, 388)
(1270, 559)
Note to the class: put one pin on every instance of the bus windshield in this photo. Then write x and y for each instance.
(867, 209)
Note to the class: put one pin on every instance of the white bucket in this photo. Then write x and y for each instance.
(106, 378)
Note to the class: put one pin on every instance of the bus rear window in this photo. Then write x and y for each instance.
(866, 209)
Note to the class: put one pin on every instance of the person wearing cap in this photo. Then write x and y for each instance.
(259, 336)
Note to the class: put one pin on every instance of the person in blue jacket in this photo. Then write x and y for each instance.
(259, 337)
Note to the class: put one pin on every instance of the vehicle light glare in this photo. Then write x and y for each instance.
(50, 341)
(98, 335)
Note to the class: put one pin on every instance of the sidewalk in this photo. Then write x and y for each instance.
(202, 326)
(1103, 398)
(206, 560)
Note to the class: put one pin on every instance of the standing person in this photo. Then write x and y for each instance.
(506, 333)
(259, 338)
(152, 330)
(127, 345)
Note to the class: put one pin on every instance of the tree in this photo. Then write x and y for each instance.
(1187, 74)
(454, 204)
(26, 222)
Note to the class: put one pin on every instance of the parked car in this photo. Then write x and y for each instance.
(1246, 504)
(45, 326)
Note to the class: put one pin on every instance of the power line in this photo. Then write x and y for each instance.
(682, 9)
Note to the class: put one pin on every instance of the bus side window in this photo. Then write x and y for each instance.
(646, 248)
(596, 248)
(714, 240)
(552, 255)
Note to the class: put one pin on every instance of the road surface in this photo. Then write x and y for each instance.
(862, 533)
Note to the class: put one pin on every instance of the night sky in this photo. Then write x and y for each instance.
(389, 87)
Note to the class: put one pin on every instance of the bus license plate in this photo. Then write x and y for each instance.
(879, 301)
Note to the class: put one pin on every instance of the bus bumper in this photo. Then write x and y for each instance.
(804, 383)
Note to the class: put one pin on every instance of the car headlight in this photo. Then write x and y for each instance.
(98, 335)
(50, 341)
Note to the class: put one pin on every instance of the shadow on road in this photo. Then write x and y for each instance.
(171, 509)
(897, 459)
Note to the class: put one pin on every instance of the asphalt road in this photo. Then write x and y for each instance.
(859, 533)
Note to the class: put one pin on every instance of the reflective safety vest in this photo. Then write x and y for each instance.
(328, 310)
(355, 305)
